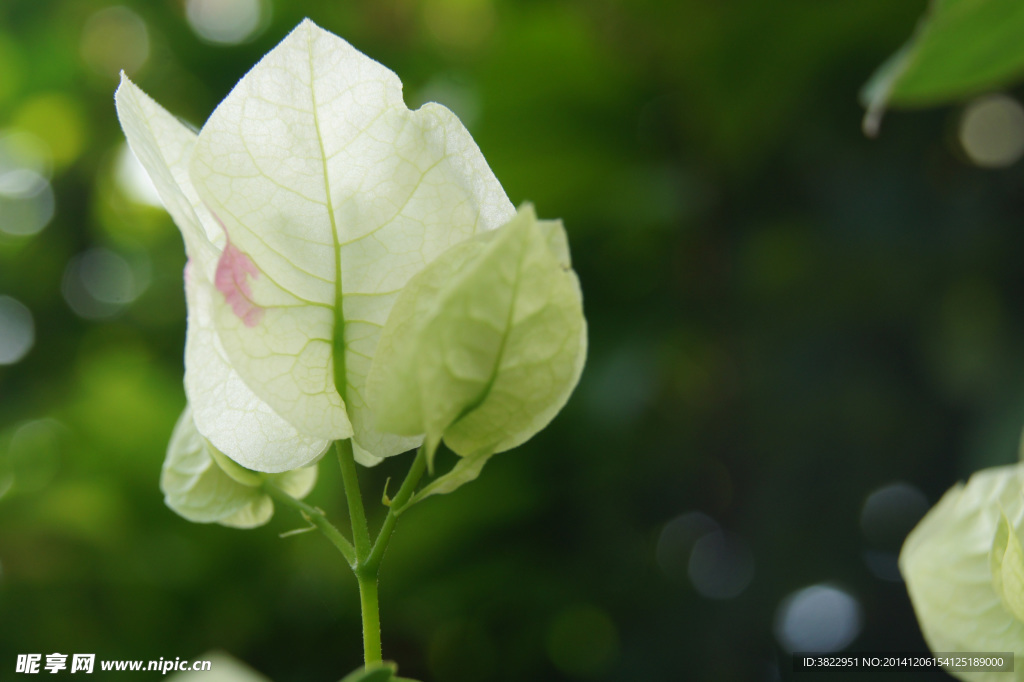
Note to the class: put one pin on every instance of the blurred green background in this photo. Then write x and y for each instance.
(800, 338)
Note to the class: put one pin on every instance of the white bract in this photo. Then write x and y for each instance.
(307, 201)
(964, 569)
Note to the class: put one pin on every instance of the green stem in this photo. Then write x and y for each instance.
(397, 506)
(368, 601)
(317, 518)
(360, 531)
(364, 558)
(368, 558)
(370, 607)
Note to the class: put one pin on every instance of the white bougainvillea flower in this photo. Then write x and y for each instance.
(963, 568)
(203, 485)
(307, 201)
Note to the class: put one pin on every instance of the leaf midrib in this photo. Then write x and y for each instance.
(500, 355)
(338, 352)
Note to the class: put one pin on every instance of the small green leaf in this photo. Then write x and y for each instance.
(465, 470)
(960, 48)
(1008, 567)
(484, 346)
(205, 486)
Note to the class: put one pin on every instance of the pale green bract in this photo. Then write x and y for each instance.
(963, 568)
(306, 202)
(204, 486)
(483, 347)
(1007, 558)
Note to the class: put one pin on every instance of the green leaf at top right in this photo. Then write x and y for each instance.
(483, 347)
(960, 48)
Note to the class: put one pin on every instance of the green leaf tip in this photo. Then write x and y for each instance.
(202, 485)
(960, 48)
(484, 346)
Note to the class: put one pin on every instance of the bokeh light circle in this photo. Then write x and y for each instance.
(100, 282)
(225, 22)
(721, 565)
(583, 641)
(992, 131)
(819, 618)
(26, 197)
(115, 39)
(17, 331)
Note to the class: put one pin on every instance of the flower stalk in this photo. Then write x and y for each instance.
(362, 556)
(368, 557)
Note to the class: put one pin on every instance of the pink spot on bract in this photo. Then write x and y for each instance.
(233, 270)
